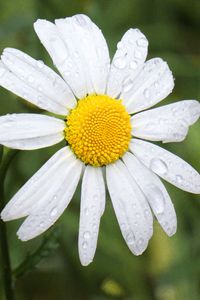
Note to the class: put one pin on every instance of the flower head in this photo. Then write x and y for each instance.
(102, 106)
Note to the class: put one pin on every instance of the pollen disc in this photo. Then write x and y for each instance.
(98, 130)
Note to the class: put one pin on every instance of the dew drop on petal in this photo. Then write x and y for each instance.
(80, 20)
(40, 64)
(86, 211)
(84, 245)
(133, 64)
(119, 45)
(87, 235)
(156, 200)
(130, 238)
(156, 84)
(128, 85)
(41, 224)
(67, 73)
(179, 179)
(158, 166)
(30, 79)
(94, 226)
(119, 62)
(146, 93)
(54, 198)
(140, 241)
(53, 212)
(142, 42)
(40, 88)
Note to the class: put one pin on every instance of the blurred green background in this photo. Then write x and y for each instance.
(170, 267)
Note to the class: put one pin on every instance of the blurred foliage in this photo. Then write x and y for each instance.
(170, 268)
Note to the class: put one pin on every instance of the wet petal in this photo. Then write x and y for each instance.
(30, 131)
(153, 84)
(127, 62)
(92, 208)
(167, 165)
(45, 180)
(169, 123)
(79, 51)
(38, 76)
(155, 192)
(126, 198)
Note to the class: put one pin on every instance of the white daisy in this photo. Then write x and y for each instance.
(97, 100)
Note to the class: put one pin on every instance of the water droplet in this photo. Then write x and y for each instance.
(142, 42)
(25, 96)
(158, 166)
(156, 199)
(40, 88)
(30, 79)
(86, 211)
(140, 241)
(119, 45)
(26, 56)
(128, 84)
(53, 212)
(7, 60)
(76, 54)
(137, 215)
(87, 235)
(59, 49)
(146, 93)
(94, 226)
(39, 98)
(85, 245)
(95, 198)
(133, 64)
(130, 238)
(120, 62)
(40, 64)
(41, 224)
(179, 179)
(156, 84)
(66, 73)
(80, 20)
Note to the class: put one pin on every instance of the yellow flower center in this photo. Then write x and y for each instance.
(98, 130)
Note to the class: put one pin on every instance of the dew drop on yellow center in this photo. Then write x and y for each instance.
(98, 130)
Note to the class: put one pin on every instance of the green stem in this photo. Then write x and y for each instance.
(48, 245)
(5, 258)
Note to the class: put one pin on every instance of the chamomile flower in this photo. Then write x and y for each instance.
(104, 123)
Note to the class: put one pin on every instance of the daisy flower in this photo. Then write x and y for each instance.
(103, 121)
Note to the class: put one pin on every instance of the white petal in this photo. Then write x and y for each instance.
(43, 182)
(126, 198)
(167, 165)
(169, 123)
(127, 62)
(53, 204)
(39, 77)
(30, 131)
(92, 208)
(21, 88)
(153, 84)
(79, 51)
(155, 192)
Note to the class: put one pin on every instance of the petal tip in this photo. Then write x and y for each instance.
(5, 216)
(85, 261)
(22, 236)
